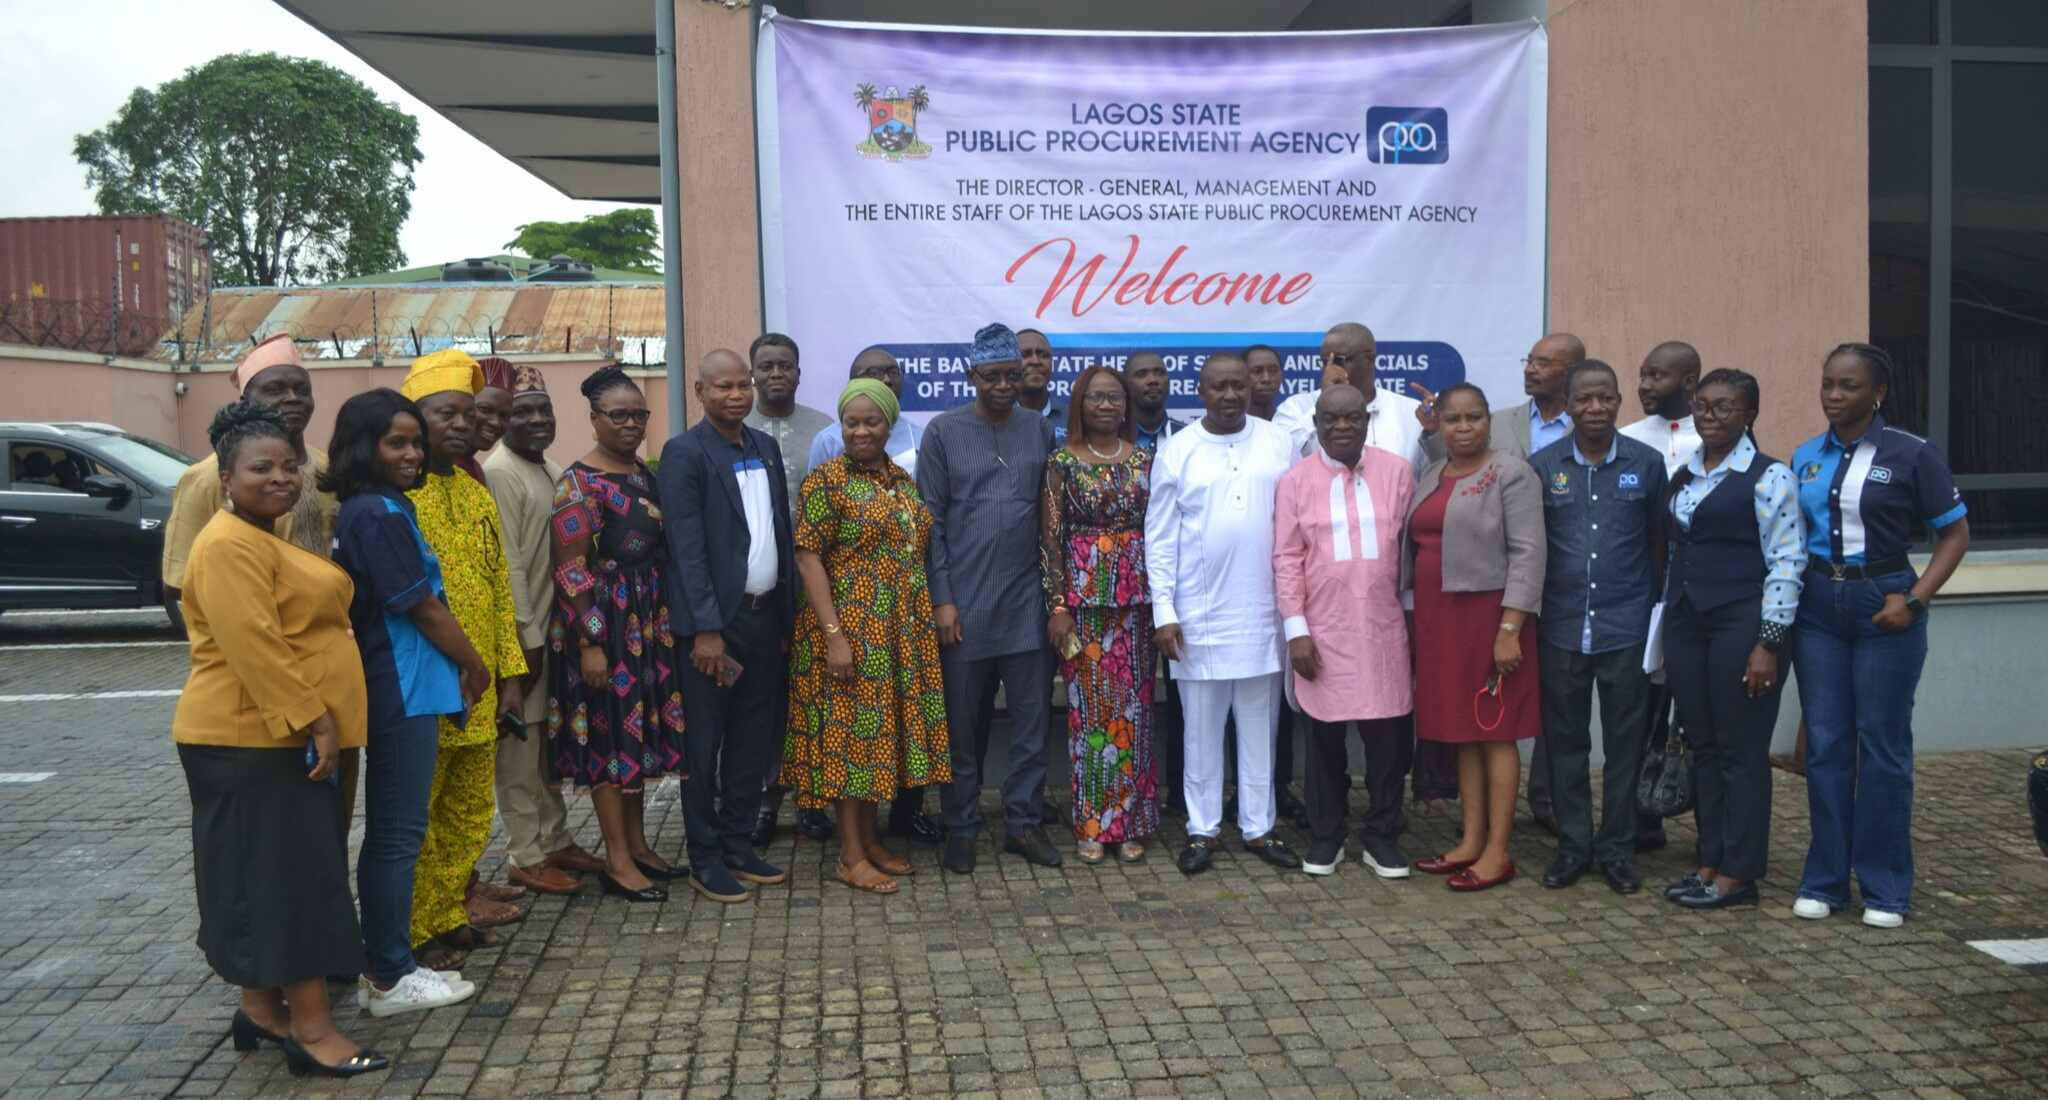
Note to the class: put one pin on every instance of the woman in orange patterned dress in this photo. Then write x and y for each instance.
(867, 713)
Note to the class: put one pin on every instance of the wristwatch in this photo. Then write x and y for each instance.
(1916, 605)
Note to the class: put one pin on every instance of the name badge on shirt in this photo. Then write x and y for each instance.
(1629, 481)
(1881, 475)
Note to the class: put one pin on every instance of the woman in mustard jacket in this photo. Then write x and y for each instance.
(275, 692)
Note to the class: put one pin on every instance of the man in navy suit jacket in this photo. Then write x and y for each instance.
(731, 598)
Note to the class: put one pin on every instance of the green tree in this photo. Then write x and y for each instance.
(297, 172)
(626, 239)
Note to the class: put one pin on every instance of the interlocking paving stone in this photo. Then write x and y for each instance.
(1109, 981)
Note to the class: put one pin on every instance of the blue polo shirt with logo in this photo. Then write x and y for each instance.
(1598, 515)
(377, 540)
(1864, 500)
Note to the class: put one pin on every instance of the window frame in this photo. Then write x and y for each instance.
(1939, 61)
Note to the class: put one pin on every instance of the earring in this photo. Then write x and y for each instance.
(228, 503)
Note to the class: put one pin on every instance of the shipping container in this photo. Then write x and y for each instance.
(115, 285)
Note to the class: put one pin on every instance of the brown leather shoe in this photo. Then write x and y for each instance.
(544, 879)
(485, 913)
(575, 861)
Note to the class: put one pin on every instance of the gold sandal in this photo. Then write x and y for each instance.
(879, 885)
(1130, 851)
(1090, 851)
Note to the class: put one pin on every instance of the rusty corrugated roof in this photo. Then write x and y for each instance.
(344, 322)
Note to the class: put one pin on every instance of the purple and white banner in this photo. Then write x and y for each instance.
(1178, 193)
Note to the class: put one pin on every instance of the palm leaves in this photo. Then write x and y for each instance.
(864, 95)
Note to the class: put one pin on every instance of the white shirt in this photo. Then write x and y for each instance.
(758, 501)
(1676, 440)
(1209, 548)
(1393, 426)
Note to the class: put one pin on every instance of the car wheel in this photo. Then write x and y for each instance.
(177, 614)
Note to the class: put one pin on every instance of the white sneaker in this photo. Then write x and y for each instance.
(1309, 868)
(416, 992)
(1812, 909)
(1878, 918)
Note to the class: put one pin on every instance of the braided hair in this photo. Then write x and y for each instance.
(240, 422)
(1463, 387)
(603, 380)
(1875, 359)
(1742, 382)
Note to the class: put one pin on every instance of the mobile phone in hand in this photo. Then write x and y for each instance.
(729, 671)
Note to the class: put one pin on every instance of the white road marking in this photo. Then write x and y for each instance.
(89, 645)
(24, 777)
(68, 696)
(2016, 952)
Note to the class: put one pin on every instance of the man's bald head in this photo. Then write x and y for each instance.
(1549, 362)
(1340, 422)
(1666, 379)
(1350, 347)
(1340, 399)
(1676, 355)
(719, 361)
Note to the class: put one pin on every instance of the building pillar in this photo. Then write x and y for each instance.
(721, 214)
(1709, 182)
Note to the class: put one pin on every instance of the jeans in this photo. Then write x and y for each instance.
(1856, 685)
(1568, 681)
(398, 775)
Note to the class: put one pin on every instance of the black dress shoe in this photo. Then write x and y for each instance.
(959, 857)
(1685, 885)
(1195, 858)
(764, 827)
(301, 1062)
(1622, 877)
(1650, 840)
(1562, 872)
(920, 827)
(1034, 846)
(814, 825)
(612, 887)
(1275, 852)
(662, 874)
(1708, 897)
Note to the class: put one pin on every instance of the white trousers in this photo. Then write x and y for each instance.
(1205, 705)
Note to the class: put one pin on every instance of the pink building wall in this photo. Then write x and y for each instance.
(140, 396)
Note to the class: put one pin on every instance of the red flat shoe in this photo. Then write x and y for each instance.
(1465, 882)
(1439, 865)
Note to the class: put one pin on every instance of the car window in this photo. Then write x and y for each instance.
(47, 468)
(153, 462)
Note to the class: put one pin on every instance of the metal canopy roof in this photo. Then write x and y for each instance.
(567, 90)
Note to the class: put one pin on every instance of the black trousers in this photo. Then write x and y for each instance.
(734, 736)
(1027, 681)
(1729, 734)
(1169, 734)
(1568, 681)
(1389, 750)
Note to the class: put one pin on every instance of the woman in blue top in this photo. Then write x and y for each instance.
(1865, 488)
(1731, 591)
(417, 664)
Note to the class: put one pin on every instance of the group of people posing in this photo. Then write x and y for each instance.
(791, 602)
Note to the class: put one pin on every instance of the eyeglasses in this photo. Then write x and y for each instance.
(1716, 411)
(1014, 377)
(623, 417)
(1106, 399)
(1539, 361)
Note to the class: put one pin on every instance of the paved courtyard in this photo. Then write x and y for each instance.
(1103, 981)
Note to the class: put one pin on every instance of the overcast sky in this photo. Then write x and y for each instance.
(74, 62)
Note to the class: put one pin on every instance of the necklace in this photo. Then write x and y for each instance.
(1112, 456)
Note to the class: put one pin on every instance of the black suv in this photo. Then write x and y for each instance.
(82, 514)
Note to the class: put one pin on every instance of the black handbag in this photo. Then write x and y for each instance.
(1665, 786)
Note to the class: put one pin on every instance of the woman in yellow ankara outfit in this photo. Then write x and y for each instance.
(459, 519)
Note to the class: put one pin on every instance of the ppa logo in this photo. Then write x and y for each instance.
(1408, 135)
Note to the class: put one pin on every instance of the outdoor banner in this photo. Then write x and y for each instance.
(1179, 193)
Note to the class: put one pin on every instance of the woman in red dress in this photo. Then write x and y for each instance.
(1475, 555)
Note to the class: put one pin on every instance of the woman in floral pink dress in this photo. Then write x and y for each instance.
(1093, 543)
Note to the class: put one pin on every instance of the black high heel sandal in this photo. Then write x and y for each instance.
(613, 887)
(662, 874)
(302, 1063)
(246, 1035)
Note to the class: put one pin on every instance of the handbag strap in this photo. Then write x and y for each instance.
(1492, 688)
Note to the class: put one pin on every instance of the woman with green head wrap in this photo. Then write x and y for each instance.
(867, 714)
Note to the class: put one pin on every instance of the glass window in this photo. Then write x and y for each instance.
(2015, 23)
(1901, 180)
(41, 468)
(1998, 301)
(1902, 22)
(154, 463)
(2011, 514)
